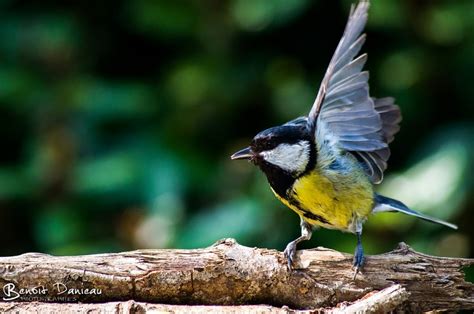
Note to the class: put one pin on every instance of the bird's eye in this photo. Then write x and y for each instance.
(264, 144)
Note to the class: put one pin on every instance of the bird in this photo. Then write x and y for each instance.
(324, 165)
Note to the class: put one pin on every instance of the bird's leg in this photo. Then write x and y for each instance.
(359, 251)
(290, 250)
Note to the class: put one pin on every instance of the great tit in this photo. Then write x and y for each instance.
(323, 166)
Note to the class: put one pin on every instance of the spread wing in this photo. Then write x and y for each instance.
(343, 113)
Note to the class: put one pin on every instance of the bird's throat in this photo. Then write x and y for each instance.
(280, 180)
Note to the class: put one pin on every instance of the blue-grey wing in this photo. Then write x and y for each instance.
(344, 115)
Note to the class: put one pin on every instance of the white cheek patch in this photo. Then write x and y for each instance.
(290, 157)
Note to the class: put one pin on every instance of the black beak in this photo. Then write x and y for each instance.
(245, 153)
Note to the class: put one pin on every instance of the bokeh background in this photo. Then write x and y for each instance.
(117, 120)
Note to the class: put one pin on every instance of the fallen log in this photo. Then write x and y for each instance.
(229, 274)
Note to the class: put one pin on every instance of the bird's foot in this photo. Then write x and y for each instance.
(290, 254)
(358, 259)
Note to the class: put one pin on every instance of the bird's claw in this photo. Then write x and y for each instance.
(356, 271)
(290, 254)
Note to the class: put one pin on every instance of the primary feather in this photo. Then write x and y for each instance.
(344, 114)
(348, 47)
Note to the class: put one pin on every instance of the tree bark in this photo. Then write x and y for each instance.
(381, 302)
(230, 274)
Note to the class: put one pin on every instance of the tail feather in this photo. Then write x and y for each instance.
(386, 204)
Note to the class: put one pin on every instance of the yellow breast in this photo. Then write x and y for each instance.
(331, 199)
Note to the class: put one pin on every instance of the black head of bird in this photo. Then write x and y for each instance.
(287, 148)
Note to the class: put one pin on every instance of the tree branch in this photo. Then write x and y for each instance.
(385, 301)
(230, 274)
(134, 307)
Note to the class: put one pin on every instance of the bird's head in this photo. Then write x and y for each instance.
(286, 148)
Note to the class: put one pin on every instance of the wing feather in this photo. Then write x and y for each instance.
(348, 55)
(354, 27)
(350, 69)
(344, 113)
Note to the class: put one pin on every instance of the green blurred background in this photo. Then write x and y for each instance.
(117, 120)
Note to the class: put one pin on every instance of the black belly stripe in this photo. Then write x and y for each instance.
(307, 213)
(316, 217)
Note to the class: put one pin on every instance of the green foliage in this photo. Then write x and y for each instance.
(118, 119)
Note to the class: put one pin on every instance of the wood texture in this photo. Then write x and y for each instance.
(230, 274)
(379, 302)
(135, 307)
